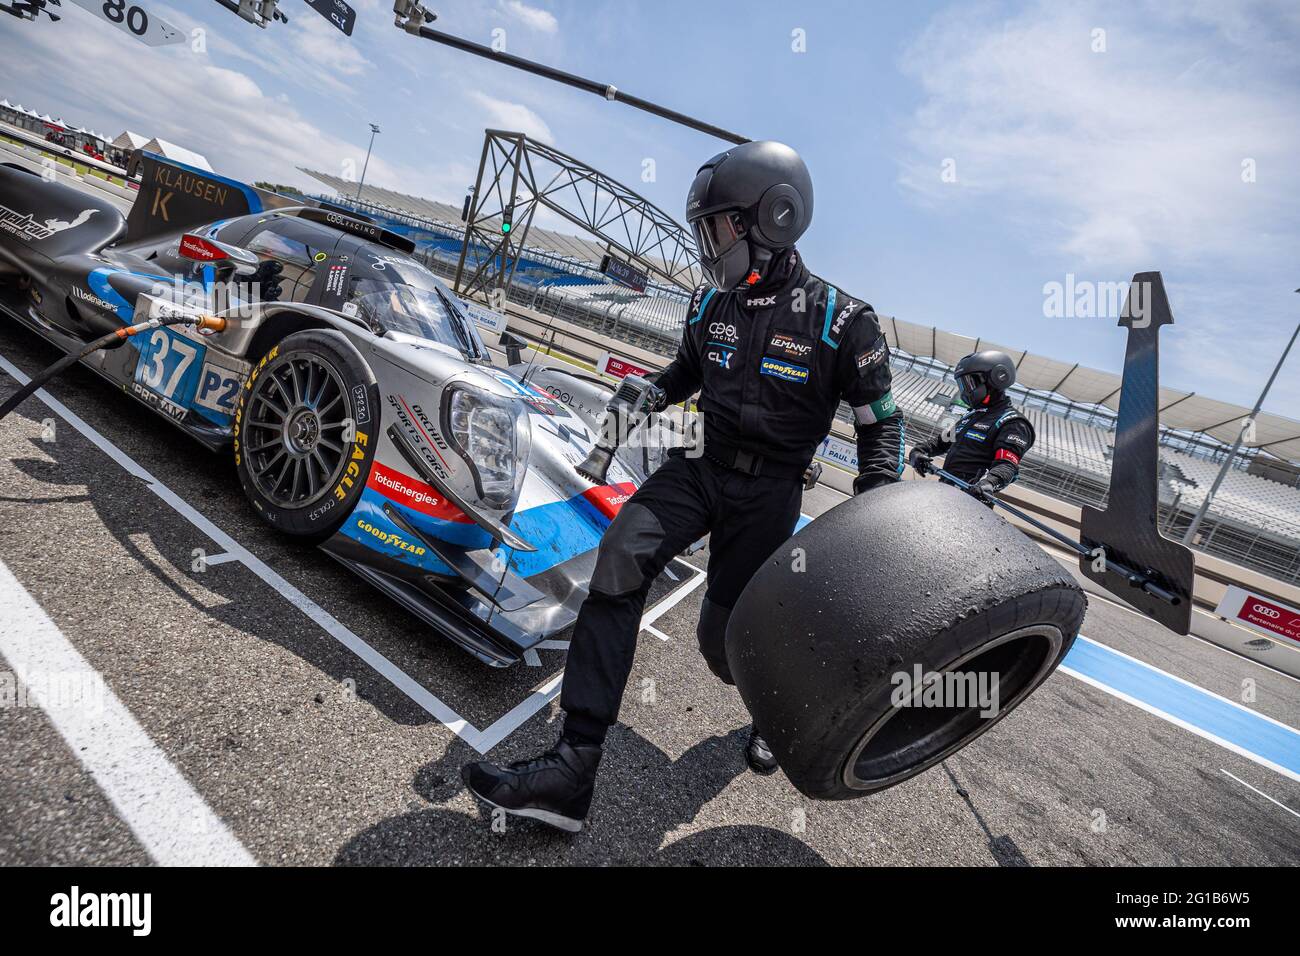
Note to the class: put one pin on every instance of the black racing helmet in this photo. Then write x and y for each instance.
(746, 205)
(984, 376)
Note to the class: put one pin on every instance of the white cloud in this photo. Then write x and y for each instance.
(532, 17)
(1109, 163)
(1111, 157)
(220, 112)
(516, 117)
(326, 49)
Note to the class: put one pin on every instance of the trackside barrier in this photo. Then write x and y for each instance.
(1269, 617)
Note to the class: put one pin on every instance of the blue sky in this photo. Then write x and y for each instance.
(964, 154)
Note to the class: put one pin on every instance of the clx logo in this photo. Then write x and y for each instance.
(720, 357)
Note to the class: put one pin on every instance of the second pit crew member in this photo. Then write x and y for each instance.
(986, 445)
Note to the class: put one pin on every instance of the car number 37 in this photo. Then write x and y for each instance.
(164, 363)
(174, 368)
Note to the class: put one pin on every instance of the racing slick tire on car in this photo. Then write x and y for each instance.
(305, 432)
(861, 644)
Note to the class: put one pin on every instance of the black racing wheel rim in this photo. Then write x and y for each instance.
(902, 742)
(297, 416)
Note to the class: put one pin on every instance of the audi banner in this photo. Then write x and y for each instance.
(1261, 614)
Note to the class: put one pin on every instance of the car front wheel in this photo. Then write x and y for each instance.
(304, 432)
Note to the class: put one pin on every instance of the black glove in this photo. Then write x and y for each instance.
(920, 463)
(868, 482)
(655, 400)
(988, 485)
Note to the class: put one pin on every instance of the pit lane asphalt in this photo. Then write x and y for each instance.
(250, 700)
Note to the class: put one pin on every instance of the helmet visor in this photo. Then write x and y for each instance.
(718, 232)
(973, 389)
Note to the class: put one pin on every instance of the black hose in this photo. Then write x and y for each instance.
(116, 337)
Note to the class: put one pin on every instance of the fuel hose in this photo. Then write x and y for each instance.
(111, 340)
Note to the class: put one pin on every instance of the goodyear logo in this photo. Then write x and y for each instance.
(787, 371)
(390, 539)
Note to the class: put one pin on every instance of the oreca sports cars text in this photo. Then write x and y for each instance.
(361, 404)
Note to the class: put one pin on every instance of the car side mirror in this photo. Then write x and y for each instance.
(227, 259)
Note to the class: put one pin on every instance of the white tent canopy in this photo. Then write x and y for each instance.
(129, 140)
(1188, 411)
(178, 153)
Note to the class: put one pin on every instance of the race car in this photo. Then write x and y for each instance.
(362, 407)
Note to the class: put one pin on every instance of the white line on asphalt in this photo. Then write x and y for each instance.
(226, 558)
(496, 732)
(506, 725)
(668, 603)
(656, 632)
(163, 810)
(1179, 722)
(1260, 792)
(382, 665)
(480, 740)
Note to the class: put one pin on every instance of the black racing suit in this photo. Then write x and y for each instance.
(771, 364)
(992, 438)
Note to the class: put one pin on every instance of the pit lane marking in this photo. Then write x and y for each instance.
(480, 740)
(671, 601)
(533, 659)
(1260, 792)
(440, 711)
(214, 559)
(1233, 726)
(166, 814)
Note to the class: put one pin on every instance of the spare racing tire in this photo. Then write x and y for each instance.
(916, 579)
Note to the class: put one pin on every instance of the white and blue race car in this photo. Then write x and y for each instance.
(361, 405)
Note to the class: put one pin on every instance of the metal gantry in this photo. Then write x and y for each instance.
(516, 175)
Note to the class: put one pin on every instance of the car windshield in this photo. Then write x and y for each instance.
(409, 302)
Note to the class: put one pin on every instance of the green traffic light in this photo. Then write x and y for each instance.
(505, 227)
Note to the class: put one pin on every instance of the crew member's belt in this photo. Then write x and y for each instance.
(749, 463)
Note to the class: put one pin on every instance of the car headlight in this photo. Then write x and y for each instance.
(494, 437)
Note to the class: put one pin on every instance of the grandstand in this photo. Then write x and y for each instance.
(1253, 520)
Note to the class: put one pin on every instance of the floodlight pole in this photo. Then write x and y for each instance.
(373, 130)
(1195, 526)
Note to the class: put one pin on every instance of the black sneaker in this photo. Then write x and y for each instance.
(554, 788)
(759, 754)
